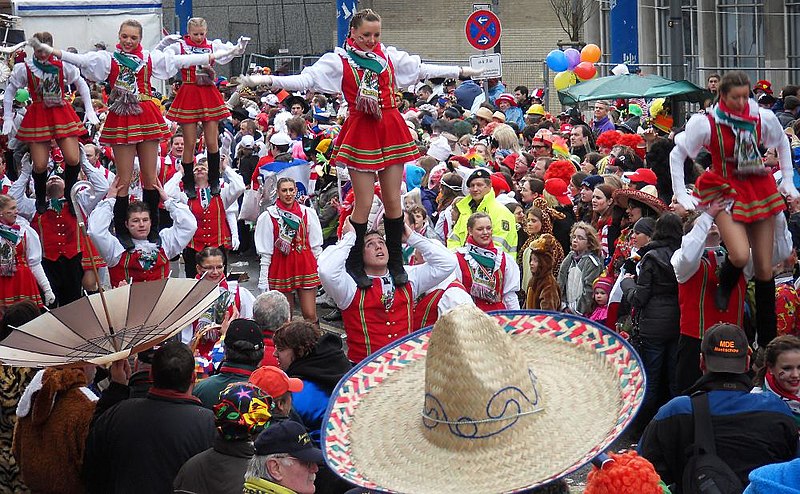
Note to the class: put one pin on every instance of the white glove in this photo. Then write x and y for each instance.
(242, 43)
(49, 297)
(8, 125)
(168, 40)
(687, 201)
(235, 243)
(11, 49)
(38, 45)
(470, 72)
(91, 117)
(788, 189)
(255, 80)
(27, 165)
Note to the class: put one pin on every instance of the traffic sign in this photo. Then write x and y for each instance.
(483, 29)
(491, 65)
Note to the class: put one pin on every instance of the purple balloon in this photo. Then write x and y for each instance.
(573, 57)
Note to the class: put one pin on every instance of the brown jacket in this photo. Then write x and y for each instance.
(51, 431)
(543, 291)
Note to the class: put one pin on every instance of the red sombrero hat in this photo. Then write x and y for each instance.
(648, 195)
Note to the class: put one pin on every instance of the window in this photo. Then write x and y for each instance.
(690, 33)
(793, 32)
(741, 28)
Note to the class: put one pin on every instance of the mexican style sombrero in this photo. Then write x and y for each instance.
(483, 403)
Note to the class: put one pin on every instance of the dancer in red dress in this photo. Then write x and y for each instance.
(50, 116)
(21, 272)
(134, 126)
(199, 100)
(733, 132)
(374, 137)
(289, 240)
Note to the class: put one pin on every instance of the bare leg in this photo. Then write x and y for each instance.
(762, 238)
(364, 190)
(124, 155)
(148, 155)
(190, 142)
(40, 155)
(72, 157)
(391, 179)
(308, 304)
(211, 138)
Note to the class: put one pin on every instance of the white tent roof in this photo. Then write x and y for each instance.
(29, 8)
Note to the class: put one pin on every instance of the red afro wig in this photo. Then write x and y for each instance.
(629, 473)
(635, 142)
(563, 169)
(608, 139)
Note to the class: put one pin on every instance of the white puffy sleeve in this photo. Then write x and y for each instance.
(409, 69)
(166, 64)
(773, 136)
(18, 79)
(314, 231)
(107, 244)
(95, 65)
(264, 239)
(511, 283)
(324, 76)
(175, 238)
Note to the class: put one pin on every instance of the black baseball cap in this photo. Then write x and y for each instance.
(725, 349)
(290, 438)
(244, 330)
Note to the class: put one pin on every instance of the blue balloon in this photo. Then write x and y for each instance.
(557, 61)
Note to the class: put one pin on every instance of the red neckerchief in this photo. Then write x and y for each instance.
(744, 114)
(377, 50)
(294, 208)
(137, 52)
(235, 370)
(172, 395)
(778, 390)
(491, 246)
(204, 44)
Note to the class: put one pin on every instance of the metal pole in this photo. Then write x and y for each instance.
(496, 10)
(676, 53)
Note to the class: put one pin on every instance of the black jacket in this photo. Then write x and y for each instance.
(750, 429)
(219, 470)
(654, 293)
(139, 444)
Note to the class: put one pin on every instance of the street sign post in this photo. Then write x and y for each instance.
(483, 29)
(490, 63)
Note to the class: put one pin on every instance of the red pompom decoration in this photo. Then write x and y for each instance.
(629, 473)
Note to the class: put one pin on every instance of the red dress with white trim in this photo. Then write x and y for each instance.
(198, 99)
(50, 116)
(17, 282)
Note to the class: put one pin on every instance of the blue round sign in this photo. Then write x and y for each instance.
(483, 29)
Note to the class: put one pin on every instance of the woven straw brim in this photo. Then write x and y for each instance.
(623, 196)
(591, 386)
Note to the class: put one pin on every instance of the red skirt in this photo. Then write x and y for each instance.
(755, 197)
(296, 271)
(42, 124)
(133, 129)
(195, 103)
(369, 144)
(21, 286)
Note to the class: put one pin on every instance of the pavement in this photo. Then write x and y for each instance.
(249, 264)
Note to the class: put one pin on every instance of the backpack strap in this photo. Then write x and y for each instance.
(703, 430)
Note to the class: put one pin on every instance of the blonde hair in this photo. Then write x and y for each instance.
(5, 200)
(196, 22)
(592, 239)
(362, 16)
(132, 23)
(506, 138)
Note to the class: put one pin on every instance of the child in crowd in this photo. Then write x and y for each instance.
(602, 287)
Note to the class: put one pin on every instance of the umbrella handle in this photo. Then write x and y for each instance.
(80, 214)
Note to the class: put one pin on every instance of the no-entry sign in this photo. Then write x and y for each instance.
(483, 29)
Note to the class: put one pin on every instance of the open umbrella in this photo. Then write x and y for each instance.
(138, 317)
(632, 86)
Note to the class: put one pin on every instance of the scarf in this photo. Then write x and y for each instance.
(483, 262)
(57, 204)
(255, 485)
(125, 94)
(50, 86)
(289, 220)
(793, 401)
(368, 98)
(204, 74)
(9, 236)
(743, 125)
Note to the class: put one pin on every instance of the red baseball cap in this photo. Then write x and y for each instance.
(274, 381)
(558, 189)
(645, 175)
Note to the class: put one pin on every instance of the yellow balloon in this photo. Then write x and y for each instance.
(565, 79)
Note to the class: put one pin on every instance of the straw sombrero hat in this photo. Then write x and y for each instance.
(648, 195)
(483, 403)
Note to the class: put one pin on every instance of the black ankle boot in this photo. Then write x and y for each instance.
(213, 173)
(766, 319)
(40, 189)
(151, 197)
(355, 260)
(728, 277)
(70, 178)
(394, 244)
(120, 215)
(188, 180)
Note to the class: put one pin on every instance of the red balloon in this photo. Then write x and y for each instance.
(585, 70)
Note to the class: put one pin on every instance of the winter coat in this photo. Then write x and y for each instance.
(577, 295)
(54, 414)
(654, 293)
(542, 291)
(217, 470)
(320, 371)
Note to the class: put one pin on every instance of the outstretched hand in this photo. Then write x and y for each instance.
(38, 45)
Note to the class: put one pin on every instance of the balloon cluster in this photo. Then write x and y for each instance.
(572, 65)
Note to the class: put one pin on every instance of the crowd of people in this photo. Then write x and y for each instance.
(391, 191)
